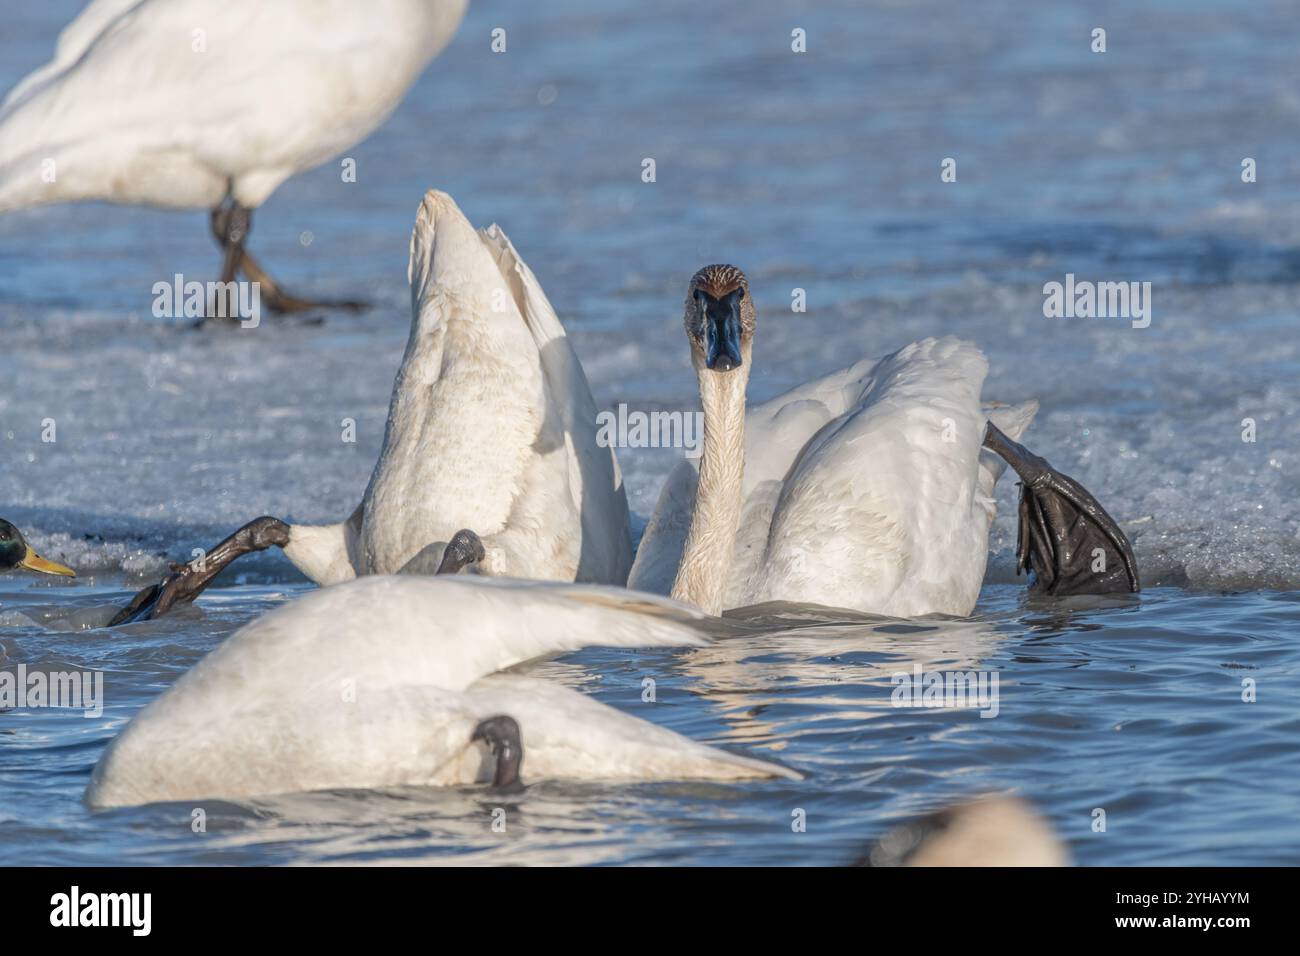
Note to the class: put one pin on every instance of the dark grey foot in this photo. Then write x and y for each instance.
(278, 300)
(1066, 537)
(187, 581)
(465, 548)
(502, 735)
(231, 224)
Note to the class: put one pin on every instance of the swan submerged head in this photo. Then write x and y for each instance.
(15, 552)
(719, 317)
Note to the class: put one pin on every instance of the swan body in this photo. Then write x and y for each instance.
(381, 682)
(865, 489)
(491, 427)
(179, 103)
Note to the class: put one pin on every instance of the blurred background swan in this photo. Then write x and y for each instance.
(209, 104)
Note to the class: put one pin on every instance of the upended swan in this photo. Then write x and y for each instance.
(206, 104)
(395, 681)
(870, 488)
(490, 456)
(16, 553)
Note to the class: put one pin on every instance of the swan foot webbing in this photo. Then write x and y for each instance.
(1066, 538)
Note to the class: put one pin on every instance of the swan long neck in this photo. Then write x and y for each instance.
(707, 556)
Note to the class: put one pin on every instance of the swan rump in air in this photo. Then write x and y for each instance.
(868, 489)
(491, 429)
(209, 104)
(394, 681)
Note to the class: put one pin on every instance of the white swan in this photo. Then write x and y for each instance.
(207, 104)
(394, 681)
(491, 428)
(867, 489)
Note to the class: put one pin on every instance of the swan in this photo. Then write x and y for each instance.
(207, 104)
(490, 456)
(396, 681)
(996, 831)
(15, 553)
(868, 489)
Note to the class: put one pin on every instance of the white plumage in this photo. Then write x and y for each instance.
(381, 682)
(171, 102)
(865, 489)
(492, 427)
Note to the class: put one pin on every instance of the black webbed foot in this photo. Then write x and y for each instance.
(1066, 538)
(464, 548)
(187, 581)
(501, 734)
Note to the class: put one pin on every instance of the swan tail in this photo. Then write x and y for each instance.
(448, 257)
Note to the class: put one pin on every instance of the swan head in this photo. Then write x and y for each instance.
(719, 317)
(15, 552)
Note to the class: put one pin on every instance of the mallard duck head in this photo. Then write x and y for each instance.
(15, 552)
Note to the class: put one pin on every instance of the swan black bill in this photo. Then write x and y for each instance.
(721, 319)
(1066, 538)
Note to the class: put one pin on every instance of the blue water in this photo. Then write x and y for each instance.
(817, 171)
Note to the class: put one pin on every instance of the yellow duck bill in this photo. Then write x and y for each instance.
(34, 562)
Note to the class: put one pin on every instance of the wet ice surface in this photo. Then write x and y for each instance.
(817, 172)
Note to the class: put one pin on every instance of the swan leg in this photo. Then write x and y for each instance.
(231, 224)
(1066, 537)
(464, 548)
(501, 734)
(187, 581)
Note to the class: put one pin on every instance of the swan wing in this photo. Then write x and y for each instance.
(881, 509)
(775, 432)
(73, 41)
(594, 478)
(664, 538)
